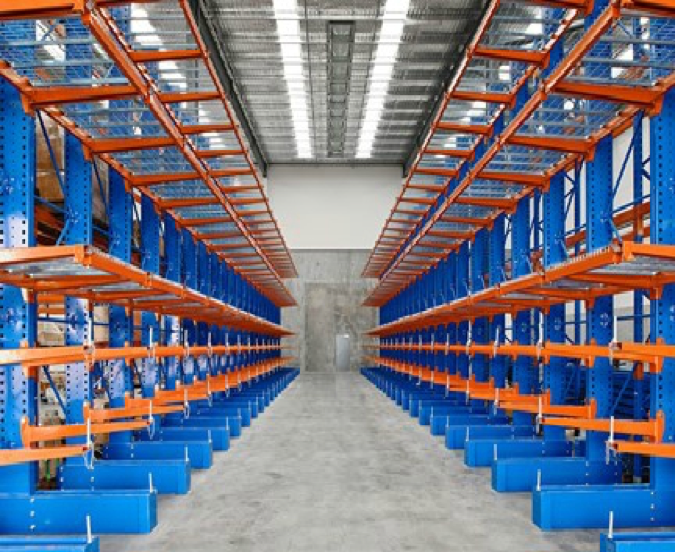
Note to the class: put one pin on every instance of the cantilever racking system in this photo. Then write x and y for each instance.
(192, 288)
(527, 270)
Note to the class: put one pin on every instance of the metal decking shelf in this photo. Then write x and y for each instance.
(171, 334)
(527, 270)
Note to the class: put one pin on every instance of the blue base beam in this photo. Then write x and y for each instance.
(49, 544)
(417, 400)
(454, 423)
(428, 410)
(212, 423)
(588, 507)
(244, 414)
(166, 476)
(514, 475)
(636, 542)
(63, 512)
(261, 399)
(199, 452)
(457, 436)
(232, 421)
(250, 405)
(198, 440)
(482, 452)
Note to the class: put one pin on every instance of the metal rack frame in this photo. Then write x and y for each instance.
(532, 163)
(193, 348)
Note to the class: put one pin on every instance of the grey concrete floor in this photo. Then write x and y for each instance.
(334, 466)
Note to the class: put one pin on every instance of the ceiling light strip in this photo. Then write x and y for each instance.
(393, 22)
(290, 42)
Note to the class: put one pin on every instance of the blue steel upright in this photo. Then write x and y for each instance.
(635, 505)
(26, 510)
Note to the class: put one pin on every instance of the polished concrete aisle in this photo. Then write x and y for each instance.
(333, 465)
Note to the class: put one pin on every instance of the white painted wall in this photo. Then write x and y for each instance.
(332, 207)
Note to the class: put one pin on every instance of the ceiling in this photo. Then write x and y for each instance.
(335, 72)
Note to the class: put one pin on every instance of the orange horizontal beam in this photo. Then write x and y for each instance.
(533, 180)
(203, 129)
(36, 434)
(18, 456)
(203, 221)
(116, 145)
(426, 187)
(209, 154)
(187, 202)
(227, 246)
(526, 56)
(466, 220)
(38, 97)
(463, 154)
(152, 179)
(416, 201)
(455, 235)
(499, 203)
(645, 448)
(438, 245)
(565, 145)
(256, 213)
(660, 7)
(188, 97)
(643, 97)
(22, 9)
(651, 428)
(216, 235)
(164, 55)
(451, 173)
(483, 130)
(487, 97)
(228, 190)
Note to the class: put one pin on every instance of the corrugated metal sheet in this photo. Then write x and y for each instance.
(433, 37)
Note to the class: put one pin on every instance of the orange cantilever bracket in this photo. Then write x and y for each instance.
(652, 428)
(36, 434)
(645, 448)
(586, 411)
(471, 385)
(129, 411)
(18, 456)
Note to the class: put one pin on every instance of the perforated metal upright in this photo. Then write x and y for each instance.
(26, 510)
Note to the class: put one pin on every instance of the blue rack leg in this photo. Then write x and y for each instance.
(51, 544)
(167, 476)
(66, 512)
(513, 475)
(589, 507)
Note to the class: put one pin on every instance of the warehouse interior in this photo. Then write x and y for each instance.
(346, 276)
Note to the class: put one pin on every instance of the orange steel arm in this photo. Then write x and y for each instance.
(9, 457)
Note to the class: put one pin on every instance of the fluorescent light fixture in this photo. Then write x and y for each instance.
(393, 22)
(288, 29)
